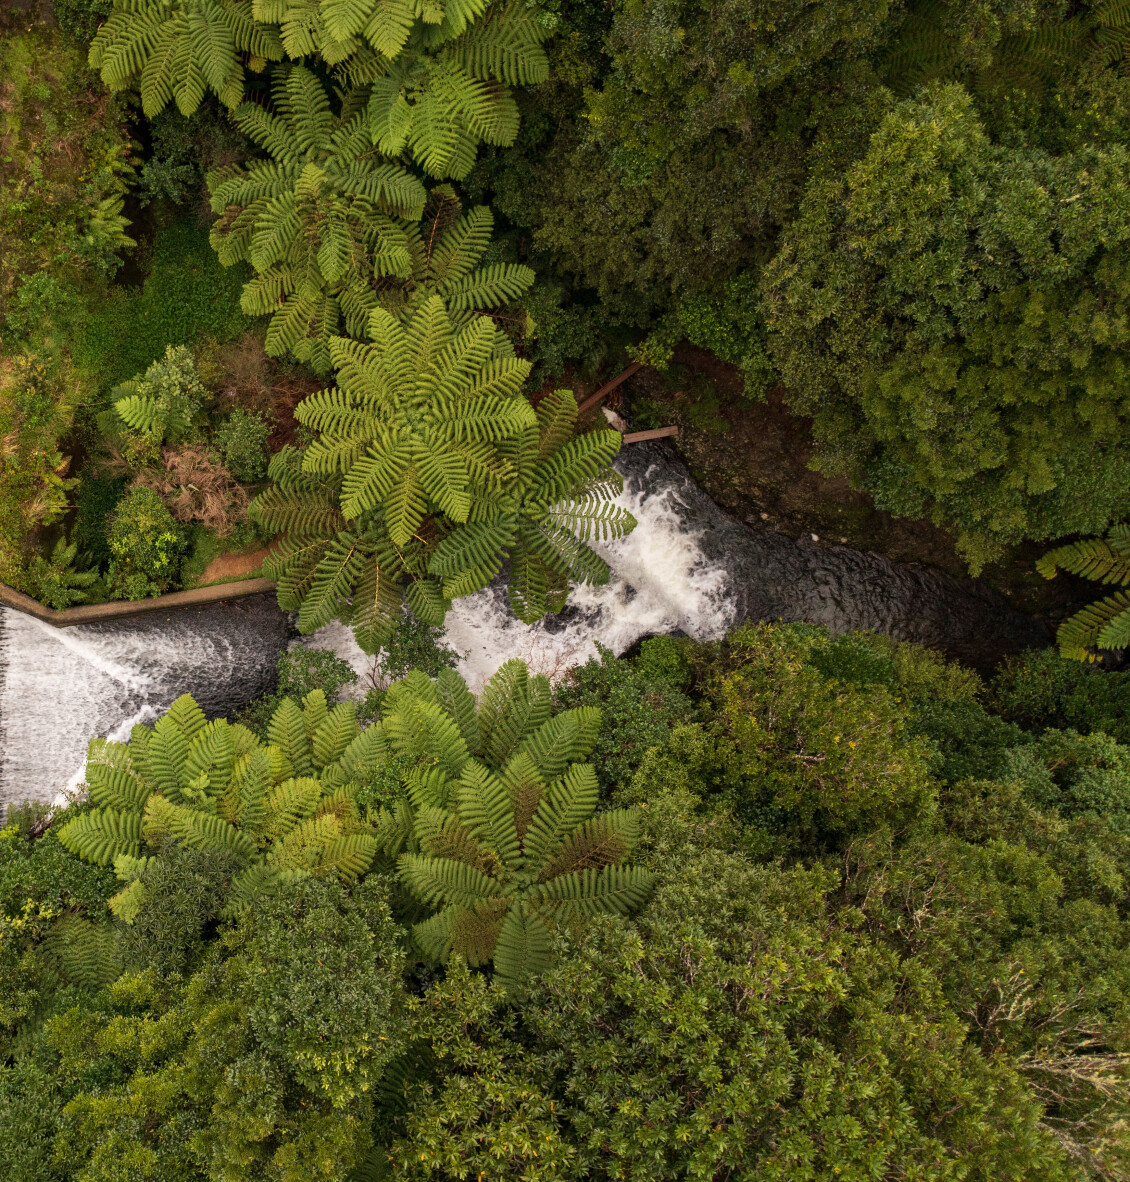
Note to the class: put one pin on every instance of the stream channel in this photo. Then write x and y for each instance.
(688, 567)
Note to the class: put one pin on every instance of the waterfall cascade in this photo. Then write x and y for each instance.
(688, 566)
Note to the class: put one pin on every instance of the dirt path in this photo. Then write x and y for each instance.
(233, 566)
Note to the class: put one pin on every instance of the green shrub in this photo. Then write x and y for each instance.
(184, 890)
(1076, 774)
(638, 706)
(1042, 689)
(242, 438)
(302, 670)
(412, 644)
(146, 547)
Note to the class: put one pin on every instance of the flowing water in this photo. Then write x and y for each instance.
(688, 567)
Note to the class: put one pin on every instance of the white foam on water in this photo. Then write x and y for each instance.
(60, 687)
(661, 581)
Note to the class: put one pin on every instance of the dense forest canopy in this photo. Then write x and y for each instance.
(321, 287)
(835, 907)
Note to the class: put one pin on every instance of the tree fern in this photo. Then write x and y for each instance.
(504, 842)
(180, 50)
(319, 222)
(410, 437)
(557, 501)
(283, 808)
(446, 249)
(1104, 625)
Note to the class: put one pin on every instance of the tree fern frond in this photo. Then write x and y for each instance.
(522, 948)
(444, 880)
(615, 890)
(100, 835)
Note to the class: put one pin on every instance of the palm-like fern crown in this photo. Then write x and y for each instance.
(285, 808)
(319, 222)
(558, 500)
(502, 833)
(430, 470)
(408, 440)
(337, 29)
(438, 71)
(416, 418)
(1106, 623)
(446, 248)
(181, 49)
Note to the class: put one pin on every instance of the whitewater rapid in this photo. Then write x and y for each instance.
(687, 567)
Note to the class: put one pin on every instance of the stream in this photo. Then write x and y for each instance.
(688, 567)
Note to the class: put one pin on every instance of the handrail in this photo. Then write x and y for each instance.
(94, 613)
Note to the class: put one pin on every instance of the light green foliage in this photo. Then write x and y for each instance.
(501, 835)
(283, 810)
(948, 309)
(146, 546)
(1105, 624)
(446, 246)
(427, 428)
(181, 50)
(944, 1003)
(54, 581)
(259, 1066)
(740, 1009)
(837, 756)
(242, 438)
(319, 222)
(438, 76)
(162, 403)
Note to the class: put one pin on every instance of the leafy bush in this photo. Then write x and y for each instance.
(146, 547)
(1042, 689)
(638, 702)
(302, 670)
(54, 581)
(163, 403)
(242, 438)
